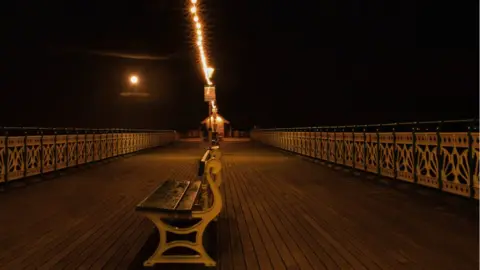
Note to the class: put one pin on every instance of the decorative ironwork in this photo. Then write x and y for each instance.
(448, 161)
(47, 150)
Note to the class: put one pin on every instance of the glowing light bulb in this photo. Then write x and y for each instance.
(134, 79)
(193, 10)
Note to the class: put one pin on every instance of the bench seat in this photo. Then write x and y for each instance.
(172, 197)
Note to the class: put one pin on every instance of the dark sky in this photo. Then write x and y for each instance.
(278, 63)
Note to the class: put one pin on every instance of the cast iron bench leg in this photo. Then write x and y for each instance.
(197, 246)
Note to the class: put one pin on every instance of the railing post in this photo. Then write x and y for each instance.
(292, 140)
(354, 148)
(335, 145)
(414, 153)
(6, 156)
(55, 149)
(103, 144)
(395, 152)
(42, 154)
(311, 138)
(67, 150)
(311, 142)
(85, 147)
(100, 144)
(439, 157)
(110, 145)
(25, 153)
(471, 159)
(276, 138)
(77, 155)
(314, 130)
(93, 146)
(328, 145)
(118, 142)
(305, 141)
(320, 144)
(378, 152)
(297, 139)
(364, 149)
(344, 152)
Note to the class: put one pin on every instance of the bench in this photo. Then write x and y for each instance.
(178, 200)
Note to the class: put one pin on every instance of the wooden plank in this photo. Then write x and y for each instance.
(224, 250)
(281, 239)
(125, 238)
(318, 249)
(134, 243)
(110, 236)
(35, 225)
(39, 251)
(339, 245)
(166, 197)
(12, 245)
(91, 241)
(190, 196)
(287, 227)
(76, 245)
(258, 245)
(242, 247)
(251, 197)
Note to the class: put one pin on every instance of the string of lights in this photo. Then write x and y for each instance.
(207, 70)
(197, 23)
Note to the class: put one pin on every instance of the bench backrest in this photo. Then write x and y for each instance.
(201, 163)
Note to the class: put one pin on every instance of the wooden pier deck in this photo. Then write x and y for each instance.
(280, 212)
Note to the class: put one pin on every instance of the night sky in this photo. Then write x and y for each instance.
(278, 63)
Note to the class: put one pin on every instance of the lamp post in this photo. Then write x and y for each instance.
(210, 97)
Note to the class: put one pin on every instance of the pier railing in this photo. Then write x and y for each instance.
(30, 151)
(442, 155)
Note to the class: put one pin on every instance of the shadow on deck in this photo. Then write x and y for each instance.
(280, 212)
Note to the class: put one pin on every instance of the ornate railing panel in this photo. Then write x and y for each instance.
(448, 161)
(40, 151)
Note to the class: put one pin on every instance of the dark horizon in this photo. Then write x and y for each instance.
(276, 65)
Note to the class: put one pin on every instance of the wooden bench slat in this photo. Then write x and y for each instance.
(166, 197)
(190, 196)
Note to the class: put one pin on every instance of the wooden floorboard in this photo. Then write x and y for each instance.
(86, 219)
(280, 212)
(319, 218)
